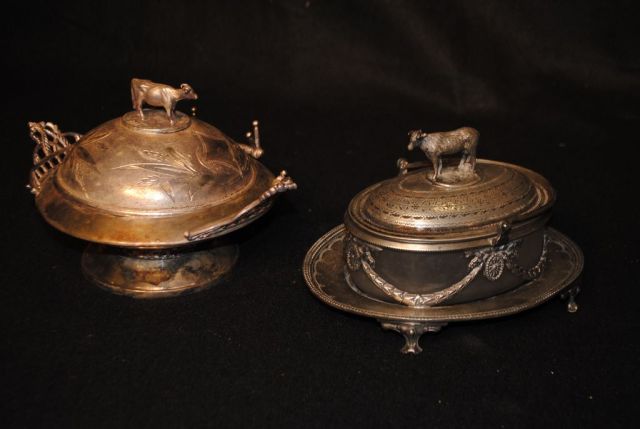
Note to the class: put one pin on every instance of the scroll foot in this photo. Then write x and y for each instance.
(412, 331)
(570, 296)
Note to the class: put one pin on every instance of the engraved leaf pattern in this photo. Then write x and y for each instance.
(166, 170)
(149, 181)
(171, 168)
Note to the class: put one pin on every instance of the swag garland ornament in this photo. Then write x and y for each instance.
(491, 261)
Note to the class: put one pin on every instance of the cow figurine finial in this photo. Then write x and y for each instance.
(434, 145)
(159, 95)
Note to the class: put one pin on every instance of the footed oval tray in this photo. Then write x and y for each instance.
(324, 273)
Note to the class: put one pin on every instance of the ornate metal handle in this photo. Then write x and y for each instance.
(282, 183)
(490, 260)
(254, 138)
(434, 145)
(52, 147)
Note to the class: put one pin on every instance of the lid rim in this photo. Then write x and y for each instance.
(526, 197)
(150, 231)
(444, 243)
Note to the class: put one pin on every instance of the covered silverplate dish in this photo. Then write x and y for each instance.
(146, 188)
(448, 239)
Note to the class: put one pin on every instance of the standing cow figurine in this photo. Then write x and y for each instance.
(434, 145)
(159, 95)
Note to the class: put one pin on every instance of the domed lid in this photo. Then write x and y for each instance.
(123, 167)
(151, 177)
(465, 205)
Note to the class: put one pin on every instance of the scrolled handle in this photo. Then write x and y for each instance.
(52, 146)
(280, 184)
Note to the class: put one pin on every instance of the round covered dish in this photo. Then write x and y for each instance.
(151, 179)
(130, 186)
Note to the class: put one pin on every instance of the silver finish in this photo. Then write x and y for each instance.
(435, 145)
(412, 331)
(282, 183)
(411, 212)
(491, 261)
(255, 150)
(159, 95)
(324, 267)
(140, 181)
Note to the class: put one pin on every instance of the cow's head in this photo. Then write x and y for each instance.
(188, 92)
(414, 137)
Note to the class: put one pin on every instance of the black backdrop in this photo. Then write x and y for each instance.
(552, 86)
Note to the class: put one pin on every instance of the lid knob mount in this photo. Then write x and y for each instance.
(436, 145)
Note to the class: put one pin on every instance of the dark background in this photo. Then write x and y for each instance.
(553, 86)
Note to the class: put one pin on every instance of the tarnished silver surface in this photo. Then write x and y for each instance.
(151, 179)
(442, 241)
(435, 145)
(50, 150)
(324, 267)
(159, 95)
(411, 212)
(474, 230)
(282, 183)
(490, 261)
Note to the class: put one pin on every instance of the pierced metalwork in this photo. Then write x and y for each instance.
(51, 149)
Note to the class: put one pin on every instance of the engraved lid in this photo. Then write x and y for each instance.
(124, 168)
(464, 207)
(151, 178)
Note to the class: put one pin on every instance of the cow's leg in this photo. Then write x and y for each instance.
(464, 159)
(137, 106)
(435, 161)
(472, 157)
(169, 109)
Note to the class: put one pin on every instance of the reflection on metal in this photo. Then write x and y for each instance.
(282, 183)
(139, 181)
(325, 263)
(492, 261)
(444, 241)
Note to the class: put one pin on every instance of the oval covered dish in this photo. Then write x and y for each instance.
(445, 233)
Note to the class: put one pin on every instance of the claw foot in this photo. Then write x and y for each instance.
(412, 331)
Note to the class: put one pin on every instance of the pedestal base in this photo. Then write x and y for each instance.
(157, 273)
